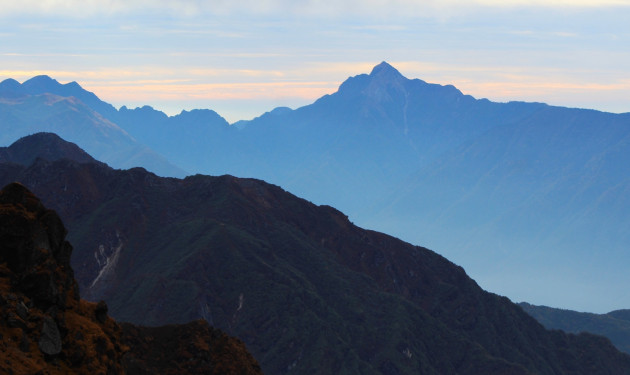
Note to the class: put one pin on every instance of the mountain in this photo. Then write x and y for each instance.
(41, 104)
(47, 146)
(186, 139)
(547, 194)
(47, 329)
(614, 325)
(43, 84)
(152, 128)
(370, 136)
(304, 288)
(505, 189)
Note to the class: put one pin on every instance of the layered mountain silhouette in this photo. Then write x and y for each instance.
(47, 329)
(43, 84)
(614, 325)
(505, 189)
(42, 104)
(304, 288)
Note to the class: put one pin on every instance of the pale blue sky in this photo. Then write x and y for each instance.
(244, 58)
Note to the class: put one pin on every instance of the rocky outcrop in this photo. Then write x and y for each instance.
(45, 328)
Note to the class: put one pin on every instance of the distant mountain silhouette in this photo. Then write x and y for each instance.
(186, 139)
(506, 189)
(41, 104)
(44, 84)
(614, 325)
(308, 291)
(11, 88)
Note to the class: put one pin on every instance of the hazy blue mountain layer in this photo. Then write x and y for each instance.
(614, 325)
(304, 288)
(42, 104)
(506, 189)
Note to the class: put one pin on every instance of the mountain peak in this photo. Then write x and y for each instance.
(9, 83)
(41, 83)
(44, 84)
(48, 146)
(386, 70)
(10, 87)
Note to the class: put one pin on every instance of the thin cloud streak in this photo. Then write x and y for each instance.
(195, 8)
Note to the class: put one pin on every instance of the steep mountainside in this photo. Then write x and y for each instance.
(614, 325)
(306, 290)
(47, 329)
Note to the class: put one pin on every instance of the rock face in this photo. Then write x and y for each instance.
(47, 329)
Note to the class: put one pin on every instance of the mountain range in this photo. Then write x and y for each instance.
(505, 189)
(43, 104)
(303, 287)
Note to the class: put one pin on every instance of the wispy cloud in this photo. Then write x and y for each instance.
(342, 8)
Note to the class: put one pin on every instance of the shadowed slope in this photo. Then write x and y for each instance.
(47, 329)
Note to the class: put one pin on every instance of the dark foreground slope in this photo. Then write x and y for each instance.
(46, 329)
(306, 290)
(615, 325)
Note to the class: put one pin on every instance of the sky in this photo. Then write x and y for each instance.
(243, 58)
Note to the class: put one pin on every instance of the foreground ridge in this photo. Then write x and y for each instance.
(47, 329)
